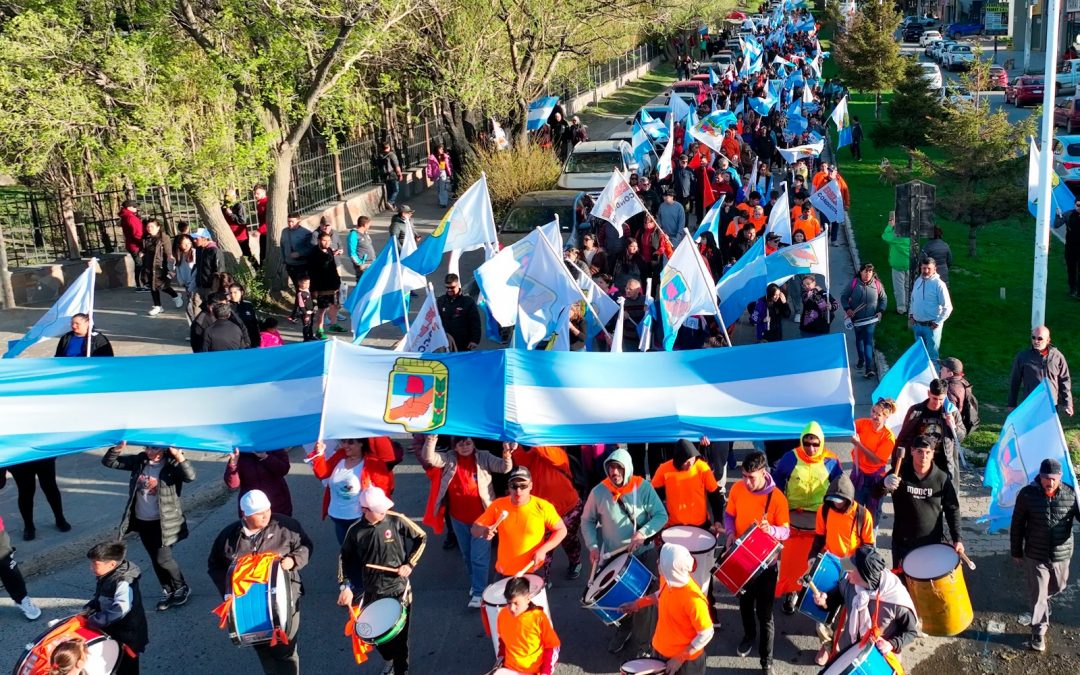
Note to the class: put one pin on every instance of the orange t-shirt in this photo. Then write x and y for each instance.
(880, 443)
(685, 492)
(550, 468)
(811, 227)
(747, 508)
(524, 638)
(523, 531)
(682, 613)
(845, 532)
(759, 224)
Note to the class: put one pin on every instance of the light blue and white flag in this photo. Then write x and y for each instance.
(780, 218)
(808, 257)
(688, 123)
(77, 299)
(1061, 196)
(839, 117)
(656, 129)
(744, 283)
(539, 112)
(907, 382)
(686, 289)
(714, 79)
(711, 221)
(830, 201)
(617, 334)
(545, 294)
(467, 225)
(500, 278)
(645, 328)
(379, 297)
(678, 108)
(640, 144)
(1031, 433)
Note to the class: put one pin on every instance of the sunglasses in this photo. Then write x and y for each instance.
(1037, 338)
(520, 486)
(812, 445)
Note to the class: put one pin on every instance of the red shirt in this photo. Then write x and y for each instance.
(463, 493)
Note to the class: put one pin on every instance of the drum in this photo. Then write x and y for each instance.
(381, 621)
(102, 652)
(936, 582)
(860, 660)
(826, 577)
(506, 671)
(494, 599)
(622, 579)
(264, 609)
(643, 667)
(701, 544)
(750, 556)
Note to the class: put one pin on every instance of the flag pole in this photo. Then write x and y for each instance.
(1045, 213)
(93, 266)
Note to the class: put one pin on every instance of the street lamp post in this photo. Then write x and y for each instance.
(1045, 211)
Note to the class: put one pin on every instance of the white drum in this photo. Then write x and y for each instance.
(701, 544)
(494, 599)
(643, 667)
(506, 671)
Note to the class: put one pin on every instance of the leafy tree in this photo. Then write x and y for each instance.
(982, 157)
(867, 53)
(912, 111)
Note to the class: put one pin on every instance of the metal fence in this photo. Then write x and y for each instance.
(33, 225)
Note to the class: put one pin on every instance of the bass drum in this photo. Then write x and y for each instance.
(102, 652)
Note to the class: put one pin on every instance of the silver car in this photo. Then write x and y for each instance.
(589, 166)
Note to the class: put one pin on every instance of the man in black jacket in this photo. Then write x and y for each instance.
(460, 317)
(390, 541)
(943, 427)
(116, 608)
(208, 264)
(224, 334)
(245, 312)
(1042, 361)
(1041, 540)
(260, 531)
(73, 342)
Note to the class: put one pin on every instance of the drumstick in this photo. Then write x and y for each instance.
(526, 568)
(967, 561)
(616, 552)
(498, 521)
(382, 568)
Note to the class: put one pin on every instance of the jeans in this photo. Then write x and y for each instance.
(756, 610)
(931, 339)
(392, 188)
(900, 289)
(341, 527)
(476, 552)
(864, 344)
(165, 566)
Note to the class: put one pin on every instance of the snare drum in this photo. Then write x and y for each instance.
(935, 580)
(102, 652)
(750, 556)
(826, 577)
(264, 609)
(643, 667)
(381, 621)
(622, 579)
(861, 660)
(494, 599)
(701, 544)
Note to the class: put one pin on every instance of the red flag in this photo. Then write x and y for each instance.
(707, 196)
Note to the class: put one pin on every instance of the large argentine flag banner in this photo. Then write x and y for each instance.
(261, 399)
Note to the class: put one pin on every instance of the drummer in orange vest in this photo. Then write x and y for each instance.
(756, 500)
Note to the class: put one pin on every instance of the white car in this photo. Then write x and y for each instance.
(590, 165)
(928, 37)
(930, 46)
(958, 56)
(937, 53)
(955, 95)
(932, 75)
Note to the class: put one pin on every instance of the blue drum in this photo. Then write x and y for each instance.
(622, 579)
(861, 659)
(264, 611)
(826, 577)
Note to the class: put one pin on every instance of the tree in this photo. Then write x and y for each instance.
(983, 157)
(912, 111)
(868, 54)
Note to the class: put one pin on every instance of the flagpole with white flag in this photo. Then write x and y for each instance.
(77, 299)
(617, 334)
(1045, 219)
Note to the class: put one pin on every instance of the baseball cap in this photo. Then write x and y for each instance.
(201, 233)
(519, 473)
(374, 499)
(954, 364)
(254, 501)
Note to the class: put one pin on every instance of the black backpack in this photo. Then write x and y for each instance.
(969, 415)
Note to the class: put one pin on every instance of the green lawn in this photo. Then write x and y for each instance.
(633, 95)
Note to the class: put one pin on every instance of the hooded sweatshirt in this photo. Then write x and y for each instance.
(683, 623)
(842, 532)
(804, 478)
(609, 523)
(746, 507)
(687, 492)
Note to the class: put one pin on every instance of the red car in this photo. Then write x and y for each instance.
(699, 90)
(999, 78)
(1067, 115)
(1025, 90)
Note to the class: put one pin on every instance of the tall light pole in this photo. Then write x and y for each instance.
(1027, 35)
(1045, 211)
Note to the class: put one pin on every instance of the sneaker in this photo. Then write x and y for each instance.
(29, 609)
(155, 310)
(29, 534)
(166, 600)
(336, 328)
(745, 646)
(142, 289)
(320, 334)
(180, 595)
(1038, 643)
(178, 301)
(860, 364)
(871, 373)
(618, 641)
(63, 525)
(789, 603)
(475, 602)
(449, 544)
(388, 669)
(573, 572)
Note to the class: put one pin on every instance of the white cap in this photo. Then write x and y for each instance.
(374, 499)
(254, 501)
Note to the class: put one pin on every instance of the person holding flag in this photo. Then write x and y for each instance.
(81, 340)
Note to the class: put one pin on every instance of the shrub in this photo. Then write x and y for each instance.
(511, 173)
(257, 292)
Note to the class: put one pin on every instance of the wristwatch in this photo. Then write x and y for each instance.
(344, 586)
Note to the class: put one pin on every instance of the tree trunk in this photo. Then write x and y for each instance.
(972, 250)
(877, 105)
(208, 206)
(277, 216)
(453, 121)
(521, 137)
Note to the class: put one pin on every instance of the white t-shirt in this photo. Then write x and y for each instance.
(344, 484)
(146, 501)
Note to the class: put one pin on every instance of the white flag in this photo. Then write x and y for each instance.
(617, 334)
(663, 166)
(792, 155)
(618, 201)
(686, 289)
(830, 201)
(77, 299)
(780, 217)
(411, 280)
(500, 277)
(544, 298)
(426, 333)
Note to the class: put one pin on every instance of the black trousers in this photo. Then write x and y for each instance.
(245, 250)
(128, 664)
(396, 651)
(1072, 268)
(10, 575)
(165, 566)
(155, 293)
(281, 659)
(27, 476)
(649, 458)
(756, 610)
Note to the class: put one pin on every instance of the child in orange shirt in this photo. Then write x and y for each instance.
(873, 447)
(527, 640)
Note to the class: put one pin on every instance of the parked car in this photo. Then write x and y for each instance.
(928, 51)
(999, 78)
(589, 166)
(958, 57)
(954, 94)
(939, 50)
(722, 61)
(534, 209)
(924, 21)
(1067, 114)
(693, 89)
(929, 36)
(1067, 158)
(1025, 90)
(956, 30)
(912, 32)
(1067, 77)
(932, 75)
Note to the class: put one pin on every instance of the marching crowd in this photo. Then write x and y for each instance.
(629, 512)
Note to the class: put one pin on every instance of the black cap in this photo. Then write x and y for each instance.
(519, 473)
(1050, 467)
(922, 442)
